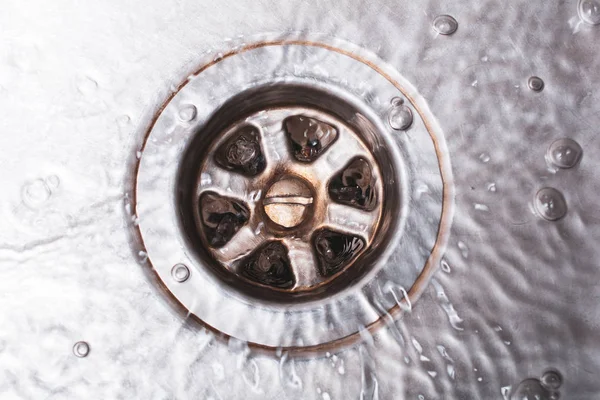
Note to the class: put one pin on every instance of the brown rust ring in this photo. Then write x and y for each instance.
(444, 168)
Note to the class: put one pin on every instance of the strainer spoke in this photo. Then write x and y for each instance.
(274, 141)
(241, 244)
(226, 183)
(349, 219)
(303, 262)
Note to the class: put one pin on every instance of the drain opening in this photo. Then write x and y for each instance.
(285, 198)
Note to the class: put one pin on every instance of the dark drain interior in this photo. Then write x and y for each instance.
(336, 249)
(269, 265)
(242, 152)
(354, 185)
(289, 212)
(222, 217)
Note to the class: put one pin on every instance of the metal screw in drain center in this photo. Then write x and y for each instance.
(287, 202)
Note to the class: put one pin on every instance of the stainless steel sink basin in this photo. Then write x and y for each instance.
(300, 200)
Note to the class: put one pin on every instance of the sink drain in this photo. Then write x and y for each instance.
(297, 211)
(288, 197)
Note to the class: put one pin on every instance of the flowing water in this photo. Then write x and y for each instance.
(510, 313)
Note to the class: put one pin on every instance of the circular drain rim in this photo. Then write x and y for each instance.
(377, 315)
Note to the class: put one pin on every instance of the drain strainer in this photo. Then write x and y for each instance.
(287, 198)
(293, 199)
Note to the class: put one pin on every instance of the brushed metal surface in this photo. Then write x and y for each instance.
(515, 296)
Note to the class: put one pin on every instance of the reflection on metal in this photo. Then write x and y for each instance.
(564, 153)
(535, 83)
(445, 24)
(545, 388)
(81, 349)
(589, 11)
(143, 150)
(550, 204)
(180, 273)
(292, 194)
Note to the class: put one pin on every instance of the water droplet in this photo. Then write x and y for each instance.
(450, 370)
(81, 349)
(53, 181)
(589, 11)
(445, 25)
(259, 228)
(564, 153)
(87, 85)
(445, 266)
(505, 391)
(444, 353)
(550, 204)
(400, 117)
(396, 101)
(453, 317)
(481, 207)
(551, 380)
(138, 154)
(123, 120)
(479, 379)
(251, 374)
(180, 273)
(35, 193)
(464, 250)
(187, 112)
(484, 157)
(402, 299)
(491, 187)
(530, 389)
(143, 256)
(287, 373)
(535, 83)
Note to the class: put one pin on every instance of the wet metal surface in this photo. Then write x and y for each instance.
(510, 306)
(360, 184)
